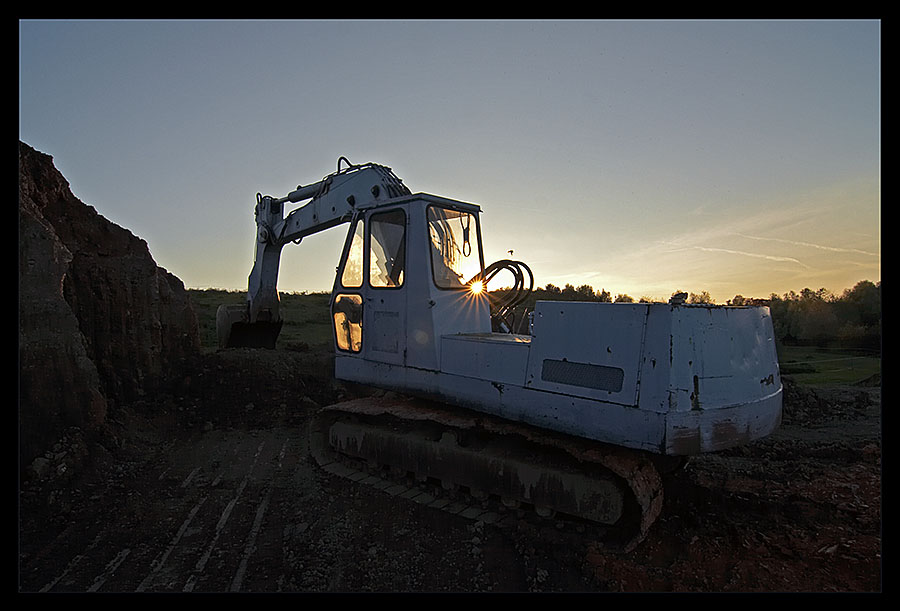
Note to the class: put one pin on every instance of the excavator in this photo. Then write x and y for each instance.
(575, 410)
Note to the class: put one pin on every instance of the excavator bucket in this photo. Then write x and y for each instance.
(235, 330)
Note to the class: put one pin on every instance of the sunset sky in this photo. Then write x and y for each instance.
(641, 157)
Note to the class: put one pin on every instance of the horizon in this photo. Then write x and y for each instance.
(837, 294)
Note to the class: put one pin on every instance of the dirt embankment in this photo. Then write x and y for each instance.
(100, 323)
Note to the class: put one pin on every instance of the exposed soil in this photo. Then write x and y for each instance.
(210, 488)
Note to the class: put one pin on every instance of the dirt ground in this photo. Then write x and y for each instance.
(210, 488)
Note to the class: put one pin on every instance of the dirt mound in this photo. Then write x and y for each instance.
(807, 405)
(873, 381)
(100, 323)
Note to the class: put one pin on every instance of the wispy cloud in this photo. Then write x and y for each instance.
(753, 223)
(752, 254)
(810, 245)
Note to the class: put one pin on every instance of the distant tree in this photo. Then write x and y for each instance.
(585, 292)
(858, 312)
(552, 289)
(822, 294)
(604, 296)
(817, 317)
(623, 298)
(701, 297)
(816, 322)
(861, 304)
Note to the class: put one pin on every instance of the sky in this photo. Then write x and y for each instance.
(639, 157)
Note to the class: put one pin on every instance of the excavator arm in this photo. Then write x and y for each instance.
(332, 201)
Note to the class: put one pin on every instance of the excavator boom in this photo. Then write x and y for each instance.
(334, 200)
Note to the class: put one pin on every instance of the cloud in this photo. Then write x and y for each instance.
(752, 254)
(810, 245)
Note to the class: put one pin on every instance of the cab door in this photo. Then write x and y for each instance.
(384, 300)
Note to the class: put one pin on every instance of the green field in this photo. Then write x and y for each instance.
(811, 365)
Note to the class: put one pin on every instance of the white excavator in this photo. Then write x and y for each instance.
(574, 410)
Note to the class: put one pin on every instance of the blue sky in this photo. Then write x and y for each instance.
(642, 157)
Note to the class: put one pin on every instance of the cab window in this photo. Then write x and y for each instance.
(352, 276)
(455, 251)
(387, 249)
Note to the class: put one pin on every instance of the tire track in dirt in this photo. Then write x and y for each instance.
(220, 525)
(220, 552)
(156, 565)
(200, 523)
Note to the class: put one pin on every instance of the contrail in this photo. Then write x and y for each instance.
(753, 254)
(810, 245)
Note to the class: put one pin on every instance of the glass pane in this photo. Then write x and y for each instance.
(455, 257)
(353, 266)
(387, 249)
(347, 313)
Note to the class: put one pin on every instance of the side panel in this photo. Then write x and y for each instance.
(590, 350)
(494, 357)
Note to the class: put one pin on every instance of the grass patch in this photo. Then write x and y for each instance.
(307, 321)
(819, 366)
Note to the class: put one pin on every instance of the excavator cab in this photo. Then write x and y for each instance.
(406, 277)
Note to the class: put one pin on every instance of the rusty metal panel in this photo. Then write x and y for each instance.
(697, 431)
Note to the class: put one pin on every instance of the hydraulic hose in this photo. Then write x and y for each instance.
(502, 309)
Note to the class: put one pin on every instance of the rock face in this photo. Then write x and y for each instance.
(99, 322)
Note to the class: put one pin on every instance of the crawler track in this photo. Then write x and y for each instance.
(480, 467)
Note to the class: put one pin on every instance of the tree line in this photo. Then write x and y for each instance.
(850, 320)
